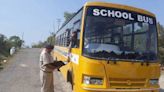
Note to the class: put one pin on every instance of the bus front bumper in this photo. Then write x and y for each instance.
(123, 90)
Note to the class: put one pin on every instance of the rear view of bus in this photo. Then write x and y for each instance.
(118, 49)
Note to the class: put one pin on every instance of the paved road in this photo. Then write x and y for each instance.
(21, 74)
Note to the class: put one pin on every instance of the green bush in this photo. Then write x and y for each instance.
(6, 44)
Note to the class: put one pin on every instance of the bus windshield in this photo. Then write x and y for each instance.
(114, 37)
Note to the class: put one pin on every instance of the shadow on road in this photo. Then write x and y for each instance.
(161, 90)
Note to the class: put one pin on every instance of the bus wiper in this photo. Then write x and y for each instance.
(138, 57)
(147, 60)
(112, 59)
(144, 59)
(135, 55)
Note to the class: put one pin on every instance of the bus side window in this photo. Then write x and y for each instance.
(74, 40)
(68, 37)
(76, 31)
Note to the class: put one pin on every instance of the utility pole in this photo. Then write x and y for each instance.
(58, 23)
(22, 40)
(22, 35)
(54, 28)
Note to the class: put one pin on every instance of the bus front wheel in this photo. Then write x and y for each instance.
(70, 78)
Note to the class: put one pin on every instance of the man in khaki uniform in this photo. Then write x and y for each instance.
(46, 69)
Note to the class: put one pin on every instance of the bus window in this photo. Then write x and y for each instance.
(73, 40)
(67, 37)
(104, 36)
(76, 34)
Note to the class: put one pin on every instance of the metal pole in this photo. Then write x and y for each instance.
(58, 22)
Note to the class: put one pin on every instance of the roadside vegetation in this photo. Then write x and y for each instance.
(6, 44)
(49, 40)
(161, 42)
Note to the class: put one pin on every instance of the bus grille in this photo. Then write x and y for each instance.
(127, 83)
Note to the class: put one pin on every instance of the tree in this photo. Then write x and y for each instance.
(4, 46)
(16, 41)
(68, 16)
(160, 29)
(40, 44)
(51, 39)
(2, 39)
(161, 41)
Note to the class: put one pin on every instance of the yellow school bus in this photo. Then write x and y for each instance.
(114, 49)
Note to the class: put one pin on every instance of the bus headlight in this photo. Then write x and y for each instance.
(153, 81)
(92, 80)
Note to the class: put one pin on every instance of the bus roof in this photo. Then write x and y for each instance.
(111, 5)
(105, 4)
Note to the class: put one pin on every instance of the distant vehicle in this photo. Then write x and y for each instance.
(12, 50)
(115, 49)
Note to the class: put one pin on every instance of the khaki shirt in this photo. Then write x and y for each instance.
(45, 58)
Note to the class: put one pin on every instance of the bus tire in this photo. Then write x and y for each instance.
(70, 78)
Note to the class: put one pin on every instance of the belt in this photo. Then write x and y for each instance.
(46, 71)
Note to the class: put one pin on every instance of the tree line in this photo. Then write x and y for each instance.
(7, 43)
(161, 42)
(49, 40)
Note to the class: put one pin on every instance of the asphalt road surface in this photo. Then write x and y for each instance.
(21, 74)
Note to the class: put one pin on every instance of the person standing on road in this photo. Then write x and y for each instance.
(46, 69)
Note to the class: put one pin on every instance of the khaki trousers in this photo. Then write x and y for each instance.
(46, 82)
